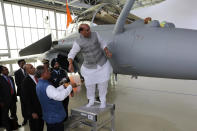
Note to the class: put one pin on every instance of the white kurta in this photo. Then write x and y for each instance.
(59, 93)
(93, 76)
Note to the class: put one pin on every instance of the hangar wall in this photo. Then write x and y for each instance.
(22, 25)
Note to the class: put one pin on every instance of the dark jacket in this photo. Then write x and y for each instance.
(30, 97)
(19, 76)
(5, 91)
(56, 77)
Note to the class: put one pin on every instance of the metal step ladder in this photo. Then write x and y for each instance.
(94, 117)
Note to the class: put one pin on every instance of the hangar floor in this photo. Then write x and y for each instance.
(147, 104)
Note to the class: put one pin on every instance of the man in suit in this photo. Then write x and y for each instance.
(1, 103)
(32, 103)
(19, 76)
(8, 98)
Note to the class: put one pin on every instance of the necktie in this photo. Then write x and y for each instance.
(36, 79)
(12, 91)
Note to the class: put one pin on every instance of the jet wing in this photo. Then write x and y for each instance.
(32, 52)
(28, 59)
(38, 47)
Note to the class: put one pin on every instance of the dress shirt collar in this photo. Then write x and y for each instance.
(6, 77)
(33, 78)
(57, 71)
(23, 71)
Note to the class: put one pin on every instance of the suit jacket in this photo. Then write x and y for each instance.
(30, 97)
(19, 76)
(57, 77)
(5, 91)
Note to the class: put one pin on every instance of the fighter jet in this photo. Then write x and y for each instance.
(104, 13)
(138, 49)
(89, 3)
(78, 6)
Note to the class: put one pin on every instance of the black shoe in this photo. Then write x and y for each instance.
(19, 126)
(24, 123)
(98, 99)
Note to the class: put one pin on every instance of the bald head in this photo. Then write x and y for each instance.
(84, 29)
(29, 69)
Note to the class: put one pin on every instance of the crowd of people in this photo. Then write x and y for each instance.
(35, 103)
(44, 92)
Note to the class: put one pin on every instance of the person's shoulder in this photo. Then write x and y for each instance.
(62, 70)
(17, 71)
(53, 72)
(10, 77)
(94, 32)
(40, 83)
(77, 40)
(27, 77)
(1, 77)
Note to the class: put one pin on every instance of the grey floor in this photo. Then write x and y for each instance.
(147, 104)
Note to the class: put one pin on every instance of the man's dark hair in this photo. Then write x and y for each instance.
(21, 60)
(39, 71)
(80, 29)
(2, 68)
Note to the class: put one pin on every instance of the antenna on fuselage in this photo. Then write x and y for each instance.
(119, 27)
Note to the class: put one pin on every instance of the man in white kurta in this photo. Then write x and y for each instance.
(96, 69)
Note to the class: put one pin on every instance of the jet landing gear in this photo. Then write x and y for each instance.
(91, 2)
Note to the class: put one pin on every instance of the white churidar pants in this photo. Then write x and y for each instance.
(102, 87)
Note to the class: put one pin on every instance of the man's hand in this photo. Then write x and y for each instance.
(66, 85)
(72, 93)
(71, 67)
(35, 116)
(74, 85)
(107, 52)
